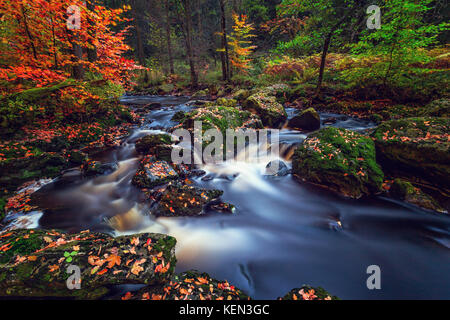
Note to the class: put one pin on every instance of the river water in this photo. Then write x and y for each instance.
(283, 234)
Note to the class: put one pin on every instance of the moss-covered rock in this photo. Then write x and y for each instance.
(308, 293)
(157, 145)
(34, 263)
(437, 108)
(308, 120)
(417, 147)
(341, 160)
(14, 172)
(241, 95)
(182, 200)
(405, 191)
(189, 285)
(271, 112)
(223, 102)
(221, 118)
(92, 168)
(153, 173)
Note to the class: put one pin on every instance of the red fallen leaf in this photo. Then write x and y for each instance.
(102, 272)
(113, 260)
(127, 296)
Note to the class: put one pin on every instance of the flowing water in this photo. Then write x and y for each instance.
(283, 233)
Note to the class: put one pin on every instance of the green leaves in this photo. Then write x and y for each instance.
(69, 256)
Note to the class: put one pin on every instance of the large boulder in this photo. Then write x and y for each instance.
(416, 147)
(35, 263)
(158, 145)
(220, 118)
(271, 112)
(308, 293)
(308, 120)
(341, 160)
(183, 200)
(189, 285)
(405, 191)
(153, 173)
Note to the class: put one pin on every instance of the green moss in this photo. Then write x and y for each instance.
(340, 159)
(21, 246)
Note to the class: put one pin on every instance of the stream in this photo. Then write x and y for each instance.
(283, 234)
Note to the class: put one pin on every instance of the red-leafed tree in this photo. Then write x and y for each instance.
(37, 48)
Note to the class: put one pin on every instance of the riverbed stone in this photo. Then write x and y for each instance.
(308, 120)
(341, 160)
(189, 285)
(158, 145)
(416, 147)
(308, 293)
(92, 168)
(34, 263)
(271, 112)
(277, 168)
(406, 191)
(153, 173)
(184, 200)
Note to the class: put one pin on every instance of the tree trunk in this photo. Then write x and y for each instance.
(91, 52)
(78, 71)
(224, 55)
(323, 60)
(139, 43)
(27, 30)
(169, 39)
(188, 18)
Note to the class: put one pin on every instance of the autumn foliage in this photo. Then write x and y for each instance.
(240, 43)
(37, 48)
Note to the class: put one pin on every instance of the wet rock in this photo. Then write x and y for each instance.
(157, 145)
(34, 263)
(405, 191)
(308, 120)
(92, 168)
(271, 112)
(417, 147)
(153, 173)
(277, 168)
(183, 200)
(341, 160)
(308, 293)
(189, 285)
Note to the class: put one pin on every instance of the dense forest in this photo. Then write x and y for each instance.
(92, 93)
